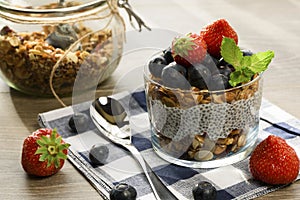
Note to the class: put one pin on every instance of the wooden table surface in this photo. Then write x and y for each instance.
(261, 25)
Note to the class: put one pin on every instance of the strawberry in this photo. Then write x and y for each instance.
(213, 35)
(188, 50)
(274, 162)
(44, 152)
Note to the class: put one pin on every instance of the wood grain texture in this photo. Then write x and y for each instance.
(261, 25)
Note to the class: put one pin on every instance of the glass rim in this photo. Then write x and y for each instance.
(27, 10)
(146, 73)
(70, 14)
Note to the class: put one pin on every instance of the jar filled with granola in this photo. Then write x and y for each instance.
(45, 44)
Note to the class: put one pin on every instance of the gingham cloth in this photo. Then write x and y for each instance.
(232, 182)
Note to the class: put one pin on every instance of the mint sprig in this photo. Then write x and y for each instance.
(245, 66)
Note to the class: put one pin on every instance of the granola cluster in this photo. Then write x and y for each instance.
(27, 59)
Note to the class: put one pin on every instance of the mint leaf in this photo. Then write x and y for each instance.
(245, 66)
(231, 52)
(260, 61)
(246, 61)
(241, 76)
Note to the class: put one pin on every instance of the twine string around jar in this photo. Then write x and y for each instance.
(113, 13)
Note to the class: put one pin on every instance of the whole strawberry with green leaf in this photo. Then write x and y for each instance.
(188, 49)
(44, 152)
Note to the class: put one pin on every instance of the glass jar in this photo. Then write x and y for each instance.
(43, 44)
(203, 128)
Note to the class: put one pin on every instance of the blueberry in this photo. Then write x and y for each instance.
(222, 62)
(62, 37)
(199, 76)
(219, 82)
(122, 191)
(6, 30)
(210, 62)
(225, 70)
(167, 54)
(174, 76)
(98, 154)
(156, 65)
(79, 122)
(204, 191)
(247, 52)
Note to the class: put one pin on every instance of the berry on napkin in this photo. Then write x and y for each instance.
(44, 152)
(274, 162)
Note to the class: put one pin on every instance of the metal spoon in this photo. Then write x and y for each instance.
(108, 115)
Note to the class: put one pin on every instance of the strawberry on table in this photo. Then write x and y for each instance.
(274, 162)
(213, 35)
(44, 152)
(189, 49)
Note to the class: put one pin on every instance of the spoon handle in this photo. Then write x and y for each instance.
(163, 191)
(147, 170)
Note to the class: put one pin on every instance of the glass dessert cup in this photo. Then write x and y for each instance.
(201, 128)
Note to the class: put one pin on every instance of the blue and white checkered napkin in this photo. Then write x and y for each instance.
(232, 182)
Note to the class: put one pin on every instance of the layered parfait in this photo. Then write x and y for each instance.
(203, 96)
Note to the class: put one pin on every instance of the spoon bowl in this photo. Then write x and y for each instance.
(110, 118)
(116, 128)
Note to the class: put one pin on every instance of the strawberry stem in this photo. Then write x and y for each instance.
(51, 149)
(183, 45)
